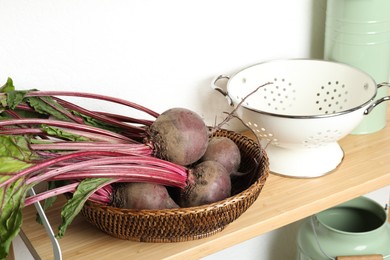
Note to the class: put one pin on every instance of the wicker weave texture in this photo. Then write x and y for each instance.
(184, 224)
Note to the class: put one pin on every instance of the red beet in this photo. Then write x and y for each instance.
(179, 135)
(224, 151)
(142, 196)
(208, 182)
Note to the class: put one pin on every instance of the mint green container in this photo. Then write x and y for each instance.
(357, 227)
(357, 33)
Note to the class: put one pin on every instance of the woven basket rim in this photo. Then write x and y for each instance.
(258, 184)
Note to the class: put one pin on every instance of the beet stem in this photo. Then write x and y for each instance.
(94, 96)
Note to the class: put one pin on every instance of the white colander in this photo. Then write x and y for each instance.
(305, 109)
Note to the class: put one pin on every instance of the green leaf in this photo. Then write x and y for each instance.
(61, 133)
(10, 165)
(10, 97)
(47, 106)
(98, 123)
(74, 205)
(12, 202)
(16, 146)
(13, 151)
(8, 86)
(14, 98)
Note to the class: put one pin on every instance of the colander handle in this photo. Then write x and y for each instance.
(220, 90)
(377, 102)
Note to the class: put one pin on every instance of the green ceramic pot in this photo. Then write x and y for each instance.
(358, 33)
(356, 227)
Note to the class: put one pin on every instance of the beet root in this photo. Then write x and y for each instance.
(142, 196)
(179, 135)
(208, 182)
(225, 151)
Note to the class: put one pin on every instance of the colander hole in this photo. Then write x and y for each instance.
(249, 123)
(243, 80)
(337, 82)
(284, 89)
(262, 129)
(289, 84)
(318, 94)
(277, 87)
(283, 80)
(317, 102)
(327, 93)
(334, 90)
(329, 83)
(343, 86)
(322, 87)
(255, 125)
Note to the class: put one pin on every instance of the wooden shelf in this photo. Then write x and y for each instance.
(366, 167)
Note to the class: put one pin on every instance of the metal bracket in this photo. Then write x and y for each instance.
(49, 230)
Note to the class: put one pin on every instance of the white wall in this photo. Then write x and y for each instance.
(160, 54)
(157, 53)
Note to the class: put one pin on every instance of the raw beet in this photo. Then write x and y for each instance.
(179, 135)
(142, 196)
(208, 182)
(225, 151)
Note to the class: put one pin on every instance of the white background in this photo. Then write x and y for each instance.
(160, 54)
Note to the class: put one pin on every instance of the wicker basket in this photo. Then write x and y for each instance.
(184, 224)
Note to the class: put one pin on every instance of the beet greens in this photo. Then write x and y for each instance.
(47, 139)
(44, 138)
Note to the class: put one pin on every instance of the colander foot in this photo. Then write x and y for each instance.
(305, 163)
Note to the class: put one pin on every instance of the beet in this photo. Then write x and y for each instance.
(136, 195)
(225, 151)
(179, 135)
(208, 182)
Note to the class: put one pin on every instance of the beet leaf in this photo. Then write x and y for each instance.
(74, 205)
